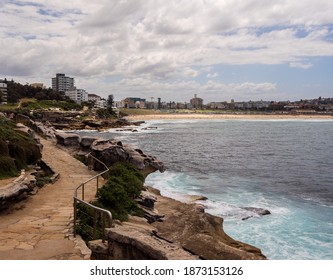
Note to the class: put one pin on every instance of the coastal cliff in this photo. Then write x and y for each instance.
(170, 229)
(182, 231)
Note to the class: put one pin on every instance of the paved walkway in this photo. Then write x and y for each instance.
(43, 228)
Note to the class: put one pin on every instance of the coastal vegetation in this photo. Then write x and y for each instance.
(17, 149)
(124, 185)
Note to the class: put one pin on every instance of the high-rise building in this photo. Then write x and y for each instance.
(3, 89)
(62, 83)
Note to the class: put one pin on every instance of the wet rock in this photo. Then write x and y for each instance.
(256, 212)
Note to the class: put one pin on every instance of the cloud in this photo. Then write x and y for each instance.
(301, 65)
(163, 42)
(212, 75)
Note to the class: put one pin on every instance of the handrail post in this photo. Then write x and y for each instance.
(74, 230)
(82, 191)
(97, 184)
(95, 225)
(103, 227)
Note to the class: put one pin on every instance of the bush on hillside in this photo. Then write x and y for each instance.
(17, 149)
(7, 167)
(124, 184)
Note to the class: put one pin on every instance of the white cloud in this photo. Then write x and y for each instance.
(301, 65)
(162, 42)
(212, 75)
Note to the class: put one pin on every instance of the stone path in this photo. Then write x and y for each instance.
(43, 228)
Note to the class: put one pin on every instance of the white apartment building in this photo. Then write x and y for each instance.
(78, 95)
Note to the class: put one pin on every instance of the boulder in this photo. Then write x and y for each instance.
(147, 199)
(46, 130)
(68, 139)
(86, 142)
(254, 211)
(110, 152)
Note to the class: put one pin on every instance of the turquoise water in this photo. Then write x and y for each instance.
(284, 166)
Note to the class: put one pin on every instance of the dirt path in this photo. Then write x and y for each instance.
(43, 228)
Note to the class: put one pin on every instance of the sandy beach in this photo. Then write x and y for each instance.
(225, 116)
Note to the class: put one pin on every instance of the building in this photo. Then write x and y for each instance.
(196, 102)
(78, 95)
(38, 85)
(94, 97)
(134, 102)
(3, 89)
(62, 83)
(217, 105)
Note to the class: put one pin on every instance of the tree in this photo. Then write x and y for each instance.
(110, 102)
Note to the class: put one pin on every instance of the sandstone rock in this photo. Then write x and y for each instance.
(46, 130)
(130, 242)
(199, 232)
(68, 139)
(92, 123)
(146, 199)
(110, 152)
(86, 142)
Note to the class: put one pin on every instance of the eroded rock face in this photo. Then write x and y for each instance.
(110, 152)
(200, 232)
(47, 131)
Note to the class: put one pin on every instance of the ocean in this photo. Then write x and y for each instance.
(284, 166)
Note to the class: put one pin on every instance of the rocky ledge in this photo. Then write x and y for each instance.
(172, 230)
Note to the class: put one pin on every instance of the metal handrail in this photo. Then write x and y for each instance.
(96, 209)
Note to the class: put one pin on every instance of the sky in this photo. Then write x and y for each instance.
(218, 49)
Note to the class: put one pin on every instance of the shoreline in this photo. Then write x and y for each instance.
(227, 117)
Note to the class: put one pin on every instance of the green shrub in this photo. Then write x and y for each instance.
(125, 183)
(18, 145)
(81, 158)
(3, 148)
(41, 181)
(7, 167)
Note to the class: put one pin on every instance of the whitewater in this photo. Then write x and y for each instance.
(284, 166)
